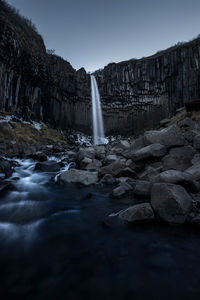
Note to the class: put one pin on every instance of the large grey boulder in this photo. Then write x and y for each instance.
(78, 176)
(108, 179)
(121, 190)
(194, 171)
(143, 188)
(171, 202)
(170, 137)
(177, 177)
(137, 213)
(94, 165)
(86, 152)
(179, 158)
(117, 169)
(48, 166)
(136, 145)
(196, 142)
(151, 151)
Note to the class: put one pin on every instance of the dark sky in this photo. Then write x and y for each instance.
(93, 33)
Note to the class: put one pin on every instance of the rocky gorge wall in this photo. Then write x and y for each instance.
(38, 85)
(136, 94)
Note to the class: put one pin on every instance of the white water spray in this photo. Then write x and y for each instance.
(98, 128)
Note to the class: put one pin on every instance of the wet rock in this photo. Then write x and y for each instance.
(143, 188)
(169, 137)
(138, 213)
(78, 176)
(171, 202)
(194, 171)
(48, 166)
(108, 179)
(179, 158)
(40, 156)
(94, 165)
(111, 158)
(165, 122)
(6, 168)
(177, 177)
(151, 151)
(149, 172)
(86, 153)
(118, 192)
(85, 162)
(114, 169)
(196, 142)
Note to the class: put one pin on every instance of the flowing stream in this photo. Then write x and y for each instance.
(98, 127)
(57, 242)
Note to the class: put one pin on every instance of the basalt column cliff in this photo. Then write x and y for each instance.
(137, 94)
(35, 84)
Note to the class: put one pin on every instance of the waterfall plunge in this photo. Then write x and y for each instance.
(98, 128)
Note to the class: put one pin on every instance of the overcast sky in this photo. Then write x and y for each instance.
(93, 33)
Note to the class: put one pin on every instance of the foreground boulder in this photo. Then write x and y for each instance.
(170, 137)
(86, 153)
(177, 177)
(117, 169)
(78, 176)
(142, 188)
(151, 151)
(179, 158)
(194, 171)
(171, 202)
(47, 166)
(138, 213)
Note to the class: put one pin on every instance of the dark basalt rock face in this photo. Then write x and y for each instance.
(38, 85)
(139, 93)
(136, 94)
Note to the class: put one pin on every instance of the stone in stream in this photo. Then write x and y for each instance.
(171, 202)
(108, 179)
(138, 213)
(48, 166)
(78, 176)
(143, 188)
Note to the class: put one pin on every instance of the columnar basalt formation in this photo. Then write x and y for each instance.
(136, 94)
(139, 93)
(38, 85)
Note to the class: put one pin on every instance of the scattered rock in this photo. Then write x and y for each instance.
(177, 177)
(86, 153)
(151, 151)
(143, 188)
(94, 165)
(196, 142)
(84, 162)
(111, 158)
(194, 171)
(78, 176)
(40, 156)
(108, 179)
(118, 192)
(179, 158)
(137, 213)
(169, 137)
(171, 202)
(165, 122)
(47, 166)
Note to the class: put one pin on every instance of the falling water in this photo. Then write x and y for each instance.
(98, 128)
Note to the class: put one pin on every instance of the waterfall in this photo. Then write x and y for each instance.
(98, 128)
